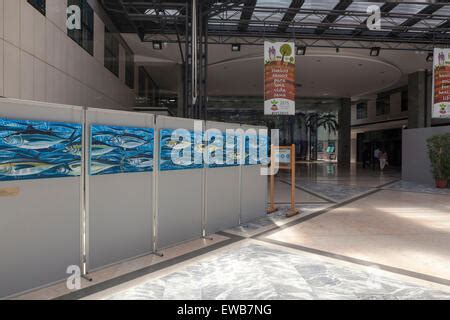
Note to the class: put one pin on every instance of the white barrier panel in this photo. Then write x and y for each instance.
(253, 189)
(180, 189)
(40, 208)
(222, 190)
(119, 186)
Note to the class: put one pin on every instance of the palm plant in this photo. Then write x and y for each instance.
(328, 122)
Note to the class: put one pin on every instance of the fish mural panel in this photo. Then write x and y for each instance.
(263, 149)
(230, 157)
(184, 149)
(38, 149)
(251, 150)
(115, 149)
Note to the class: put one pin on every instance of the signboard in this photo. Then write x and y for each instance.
(441, 83)
(279, 78)
(283, 156)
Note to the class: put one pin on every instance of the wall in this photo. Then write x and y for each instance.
(394, 114)
(38, 61)
(416, 164)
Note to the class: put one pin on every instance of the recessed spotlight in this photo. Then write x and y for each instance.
(375, 51)
(430, 57)
(157, 45)
(301, 50)
(236, 47)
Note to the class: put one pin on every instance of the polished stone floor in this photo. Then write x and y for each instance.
(405, 230)
(258, 271)
(360, 234)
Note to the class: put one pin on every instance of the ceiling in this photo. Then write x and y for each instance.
(402, 21)
(322, 72)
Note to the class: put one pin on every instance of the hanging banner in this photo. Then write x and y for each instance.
(441, 83)
(279, 78)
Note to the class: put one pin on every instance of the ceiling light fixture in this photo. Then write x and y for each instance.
(375, 51)
(157, 45)
(236, 47)
(301, 50)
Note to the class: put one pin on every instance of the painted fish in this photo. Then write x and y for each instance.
(98, 167)
(140, 161)
(24, 168)
(178, 145)
(72, 169)
(74, 149)
(33, 139)
(96, 149)
(127, 141)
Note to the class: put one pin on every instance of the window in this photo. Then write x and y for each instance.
(111, 52)
(361, 110)
(39, 5)
(85, 36)
(404, 105)
(129, 71)
(383, 105)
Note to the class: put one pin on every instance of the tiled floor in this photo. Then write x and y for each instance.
(405, 230)
(361, 234)
(258, 271)
(123, 268)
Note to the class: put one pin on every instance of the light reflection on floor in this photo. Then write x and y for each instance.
(260, 271)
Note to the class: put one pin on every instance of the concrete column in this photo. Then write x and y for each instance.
(417, 100)
(344, 144)
(354, 147)
(180, 91)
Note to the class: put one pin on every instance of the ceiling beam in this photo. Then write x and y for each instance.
(290, 15)
(215, 9)
(421, 15)
(331, 18)
(246, 15)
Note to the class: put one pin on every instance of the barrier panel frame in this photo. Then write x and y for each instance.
(131, 239)
(182, 220)
(40, 247)
(222, 210)
(253, 188)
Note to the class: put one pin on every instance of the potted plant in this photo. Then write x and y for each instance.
(439, 153)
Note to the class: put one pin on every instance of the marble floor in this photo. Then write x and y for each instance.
(360, 234)
(405, 230)
(254, 270)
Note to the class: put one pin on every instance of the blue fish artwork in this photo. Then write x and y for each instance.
(251, 150)
(217, 148)
(263, 149)
(38, 149)
(180, 150)
(115, 149)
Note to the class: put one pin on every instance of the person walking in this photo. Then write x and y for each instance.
(383, 160)
(376, 157)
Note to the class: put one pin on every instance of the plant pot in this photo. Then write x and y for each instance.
(441, 183)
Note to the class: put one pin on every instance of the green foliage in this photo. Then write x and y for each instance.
(439, 153)
(285, 50)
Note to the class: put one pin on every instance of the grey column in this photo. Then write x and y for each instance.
(180, 92)
(344, 144)
(417, 100)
